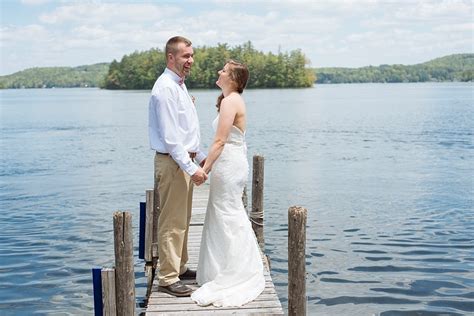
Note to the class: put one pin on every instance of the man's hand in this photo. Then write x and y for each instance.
(199, 177)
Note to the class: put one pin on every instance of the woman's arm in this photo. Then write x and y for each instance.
(227, 113)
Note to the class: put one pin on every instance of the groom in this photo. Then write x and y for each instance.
(174, 136)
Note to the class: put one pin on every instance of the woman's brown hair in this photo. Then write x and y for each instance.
(239, 74)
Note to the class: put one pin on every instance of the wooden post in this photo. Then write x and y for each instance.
(124, 270)
(156, 211)
(296, 261)
(149, 233)
(245, 199)
(256, 215)
(149, 224)
(108, 292)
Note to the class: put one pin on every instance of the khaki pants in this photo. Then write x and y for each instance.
(176, 193)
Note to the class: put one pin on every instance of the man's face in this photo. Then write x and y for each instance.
(183, 60)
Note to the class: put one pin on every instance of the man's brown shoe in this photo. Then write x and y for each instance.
(188, 275)
(176, 289)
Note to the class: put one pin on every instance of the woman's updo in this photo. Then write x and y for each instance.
(239, 74)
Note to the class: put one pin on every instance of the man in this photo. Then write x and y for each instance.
(174, 136)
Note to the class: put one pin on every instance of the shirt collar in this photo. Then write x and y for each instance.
(174, 76)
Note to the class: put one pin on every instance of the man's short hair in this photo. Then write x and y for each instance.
(172, 44)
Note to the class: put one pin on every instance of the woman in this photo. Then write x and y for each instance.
(230, 269)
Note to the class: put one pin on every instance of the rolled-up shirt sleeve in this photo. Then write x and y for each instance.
(200, 156)
(167, 118)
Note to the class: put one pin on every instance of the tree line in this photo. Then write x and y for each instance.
(56, 77)
(139, 70)
(458, 67)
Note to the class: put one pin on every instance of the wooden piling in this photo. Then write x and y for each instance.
(149, 225)
(108, 292)
(150, 264)
(124, 276)
(296, 261)
(156, 211)
(256, 215)
(155, 202)
(245, 199)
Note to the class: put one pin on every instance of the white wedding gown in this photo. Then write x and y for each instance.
(230, 269)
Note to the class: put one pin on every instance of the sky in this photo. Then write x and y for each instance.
(331, 33)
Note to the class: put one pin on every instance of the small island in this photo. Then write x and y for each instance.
(267, 70)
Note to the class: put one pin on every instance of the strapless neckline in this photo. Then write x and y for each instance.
(216, 120)
(236, 135)
(237, 128)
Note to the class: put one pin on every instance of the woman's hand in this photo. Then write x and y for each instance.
(199, 177)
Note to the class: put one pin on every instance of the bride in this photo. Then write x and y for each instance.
(230, 269)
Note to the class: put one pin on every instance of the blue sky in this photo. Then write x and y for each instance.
(343, 33)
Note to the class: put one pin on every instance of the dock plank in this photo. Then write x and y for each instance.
(159, 303)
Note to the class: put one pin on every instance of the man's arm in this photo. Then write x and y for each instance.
(167, 117)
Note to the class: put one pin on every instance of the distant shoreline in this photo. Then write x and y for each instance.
(452, 68)
(250, 89)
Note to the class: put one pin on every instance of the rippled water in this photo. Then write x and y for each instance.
(386, 172)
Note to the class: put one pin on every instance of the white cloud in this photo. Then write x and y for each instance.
(460, 27)
(429, 10)
(34, 2)
(330, 32)
(361, 37)
(10, 35)
(108, 13)
(333, 6)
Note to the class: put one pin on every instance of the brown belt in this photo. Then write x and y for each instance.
(191, 155)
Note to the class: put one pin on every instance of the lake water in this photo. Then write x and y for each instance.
(385, 170)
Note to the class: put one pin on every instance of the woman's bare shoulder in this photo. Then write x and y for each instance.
(233, 98)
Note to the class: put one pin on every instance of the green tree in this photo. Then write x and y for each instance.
(139, 70)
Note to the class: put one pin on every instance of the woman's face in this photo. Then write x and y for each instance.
(224, 77)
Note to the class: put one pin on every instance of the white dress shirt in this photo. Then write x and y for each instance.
(173, 124)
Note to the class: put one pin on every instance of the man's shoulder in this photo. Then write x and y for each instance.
(163, 83)
(164, 79)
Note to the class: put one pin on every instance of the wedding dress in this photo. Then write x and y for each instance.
(230, 269)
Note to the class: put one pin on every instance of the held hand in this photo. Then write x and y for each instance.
(199, 177)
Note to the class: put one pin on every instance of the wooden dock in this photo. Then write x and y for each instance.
(160, 303)
(114, 288)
